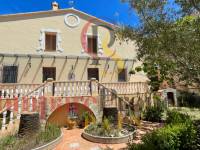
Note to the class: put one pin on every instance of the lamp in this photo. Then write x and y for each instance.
(95, 62)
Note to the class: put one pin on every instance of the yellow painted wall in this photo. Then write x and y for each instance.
(59, 116)
(19, 34)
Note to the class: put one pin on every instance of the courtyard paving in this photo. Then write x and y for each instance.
(72, 139)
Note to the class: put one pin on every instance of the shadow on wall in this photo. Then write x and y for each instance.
(60, 116)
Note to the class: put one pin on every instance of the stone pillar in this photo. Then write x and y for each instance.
(94, 87)
(48, 92)
(19, 106)
(4, 120)
(11, 115)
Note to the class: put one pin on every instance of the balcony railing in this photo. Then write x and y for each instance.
(128, 87)
(10, 90)
(70, 89)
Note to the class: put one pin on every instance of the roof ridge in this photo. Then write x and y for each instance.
(57, 11)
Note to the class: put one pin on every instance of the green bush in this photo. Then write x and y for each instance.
(171, 137)
(197, 125)
(174, 116)
(187, 99)
(7, 142)
(50, 133)
(153, 113)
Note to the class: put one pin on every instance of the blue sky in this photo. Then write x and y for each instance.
(109, 10)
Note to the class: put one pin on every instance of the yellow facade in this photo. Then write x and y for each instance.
(20, 36)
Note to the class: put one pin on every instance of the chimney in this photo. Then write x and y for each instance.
(55, 5)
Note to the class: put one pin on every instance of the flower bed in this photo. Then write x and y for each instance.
(30, 141)
(97, 133)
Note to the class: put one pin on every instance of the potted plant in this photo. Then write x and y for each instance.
(85, 119)
(71, 124)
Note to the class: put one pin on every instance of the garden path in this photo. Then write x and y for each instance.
(72, 139)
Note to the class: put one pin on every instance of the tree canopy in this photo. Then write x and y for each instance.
(168, 39)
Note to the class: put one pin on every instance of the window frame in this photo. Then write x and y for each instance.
(92, 36)
(42, 40)
(10, 73)
(44, 69)
(89, 73)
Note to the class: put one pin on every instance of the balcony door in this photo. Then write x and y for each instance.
(93, 73)
(49, 72)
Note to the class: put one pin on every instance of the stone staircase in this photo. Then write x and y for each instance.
(23, 98)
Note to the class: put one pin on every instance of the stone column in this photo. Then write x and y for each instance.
(48, 92)
(4, 120)
(11, 115)
(19, 106)
(94, 87)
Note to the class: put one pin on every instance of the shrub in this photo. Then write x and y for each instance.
(197, 125)
(174, 117)
(120, 121)
(153, 113)
(85, 119)
(51, 132)
(171, 137)
(187, 99)
(178, 134)
(7, 141)
(106, 125)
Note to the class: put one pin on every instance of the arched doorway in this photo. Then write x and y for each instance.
(66, 112)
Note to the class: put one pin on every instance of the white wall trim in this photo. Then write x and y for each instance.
(41, 47)
(72, 25)
(99, 43)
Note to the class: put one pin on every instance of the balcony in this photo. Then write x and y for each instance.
(71, 89)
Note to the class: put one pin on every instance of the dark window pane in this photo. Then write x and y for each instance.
(122, 75)
(93, 73)
(92, 44)
(49, 72)
(10, 74)
(50, 41)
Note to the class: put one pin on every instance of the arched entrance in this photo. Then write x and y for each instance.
(66, 112)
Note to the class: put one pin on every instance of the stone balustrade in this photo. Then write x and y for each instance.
(23, 99)
(5, 121)
(11, 91)
(124, 88)
(72, 88)
(45, 98)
